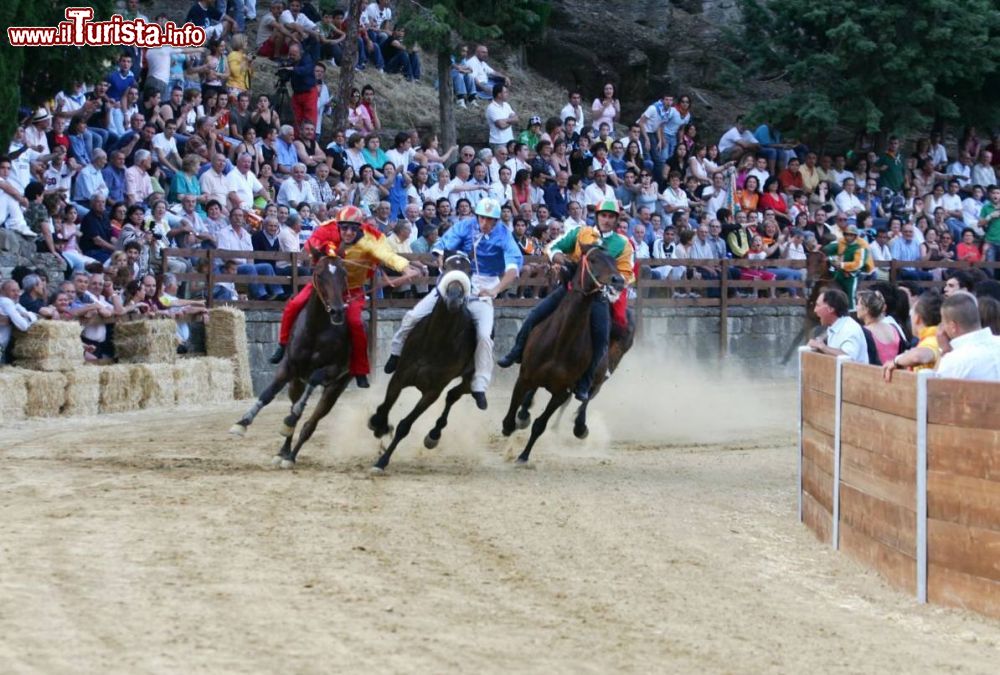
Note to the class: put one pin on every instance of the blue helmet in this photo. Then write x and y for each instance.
(488, 208)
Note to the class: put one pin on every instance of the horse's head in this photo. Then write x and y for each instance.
(455, 283)
(330, 285)
(598, 273)
(817, 264)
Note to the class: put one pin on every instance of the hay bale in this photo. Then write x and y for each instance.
(83, 391)
(156, 382)
(119, 391)
(49, 346)
(242, 382)
(221, 378)
(146, 341)
(191, 381)
(46, 394)
(226, 332)
(13, 394)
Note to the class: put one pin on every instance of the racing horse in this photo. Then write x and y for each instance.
(317, 356)
(440, 348)
(819, 271)
(558, 350)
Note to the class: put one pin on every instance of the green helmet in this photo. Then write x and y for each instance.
(609, 205)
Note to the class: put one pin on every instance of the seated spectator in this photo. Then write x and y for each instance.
(236, 238)
(399, 59)
(844, 336)
(485, 76)
(972, 351)
(16, 315)
(925, 315)
(907, 248)
(737, 141)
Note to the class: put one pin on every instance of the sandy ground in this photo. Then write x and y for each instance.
(156, 543)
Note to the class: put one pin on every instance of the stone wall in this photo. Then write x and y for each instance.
(759, 337)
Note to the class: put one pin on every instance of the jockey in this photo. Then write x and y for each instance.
(362, 249)
(496, 262)
(853, 260)
(569, 246)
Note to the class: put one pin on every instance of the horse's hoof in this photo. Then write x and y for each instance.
(523, 422)
(376, 471)
(522, 464)
(276, 461)
(238, 430)
(286, 431)
(430, 443)
(507, 430)
(581, 432)
(287, 464)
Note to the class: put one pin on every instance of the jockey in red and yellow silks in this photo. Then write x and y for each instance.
(362, 248)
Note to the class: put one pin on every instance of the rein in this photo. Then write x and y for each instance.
(585, 269)
(319, 294)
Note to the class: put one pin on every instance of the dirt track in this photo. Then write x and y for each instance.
(174, 549)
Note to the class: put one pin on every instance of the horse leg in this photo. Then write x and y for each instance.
(327, 400)
(379, 422)
(403, 428)
(292, 419)
(266, 396)
(524, 414)
(520, 391)
(455, 393)
(284, 453)
(538, 428)
(580, 429)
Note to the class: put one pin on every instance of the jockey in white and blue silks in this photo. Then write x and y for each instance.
(496, 262)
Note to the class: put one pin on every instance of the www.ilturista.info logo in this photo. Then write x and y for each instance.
(78, 30)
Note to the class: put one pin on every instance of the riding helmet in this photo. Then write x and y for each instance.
(609, 205)
(350, 214)
(488, 208)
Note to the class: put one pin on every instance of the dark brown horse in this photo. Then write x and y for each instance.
(819, 272)
(439, 349)
(558, 350)
(317, 356)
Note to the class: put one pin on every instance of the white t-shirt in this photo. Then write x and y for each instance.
(499, 111)
(481, 70)
(846, 335)
(576, 113)
(158, 61)
(373, 17)
(595, 195)
(244, 186)
(301, 20)
(401, 159)
(974, 356)
(731, 137)
(653, 119)
(676, 199)
(165, 145)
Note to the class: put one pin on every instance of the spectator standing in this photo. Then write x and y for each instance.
(891, 167)
(303, 79)
(606, 109)
(500, 117)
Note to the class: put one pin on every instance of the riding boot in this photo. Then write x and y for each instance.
(362, 381)
(600, 330)
(542, 310)
(278, 354)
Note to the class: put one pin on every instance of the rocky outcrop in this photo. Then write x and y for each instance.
(645, 47)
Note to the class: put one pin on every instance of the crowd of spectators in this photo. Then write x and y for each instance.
(175, 147)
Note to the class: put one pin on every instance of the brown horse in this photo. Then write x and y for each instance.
(439, 349)
(559, 349)
(317, 356)
(820, 273)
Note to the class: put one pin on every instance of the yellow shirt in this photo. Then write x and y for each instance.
(239, 71)
(366, 253)
(928, 339)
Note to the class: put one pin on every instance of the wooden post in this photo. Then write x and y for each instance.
(724, 309)
(295, 274)
(372, 329)
(639, 292)
(210, 282)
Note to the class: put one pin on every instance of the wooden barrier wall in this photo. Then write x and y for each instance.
(904, 477)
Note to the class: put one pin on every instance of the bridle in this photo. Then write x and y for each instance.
(334, 270)
(604, 288)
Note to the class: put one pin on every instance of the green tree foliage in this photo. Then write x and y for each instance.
(870, 65)
(440, 25)
(29, 76)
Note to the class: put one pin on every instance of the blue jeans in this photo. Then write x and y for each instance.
(407, 63)
(260, 291)
(363, 56)
(671, 144)
(956, 225)
(463, 83)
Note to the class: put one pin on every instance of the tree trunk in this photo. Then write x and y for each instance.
(347, 64)
(446, 101)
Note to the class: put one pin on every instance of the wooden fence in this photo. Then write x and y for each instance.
(904, 477)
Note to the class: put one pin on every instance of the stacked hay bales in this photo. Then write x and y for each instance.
(13, 395)
(120, 392)
(156, 384)
(146, 341)
(221, 379)
(83, 391)
(226, 338)
(191, 381)
(46, 394)
(49, 346)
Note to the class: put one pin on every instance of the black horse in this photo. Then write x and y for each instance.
(317, 356)
(439, 349)
(558, 350)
